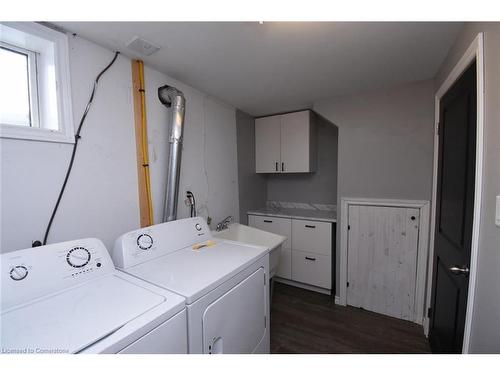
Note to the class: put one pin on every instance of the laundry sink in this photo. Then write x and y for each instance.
(253, 236)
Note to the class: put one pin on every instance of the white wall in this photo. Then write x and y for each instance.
(317, 187)
(252, 186)
(385, 141)
(101, 198)
(209, 157)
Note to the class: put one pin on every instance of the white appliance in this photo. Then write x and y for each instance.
(225, 283)
(69, 298)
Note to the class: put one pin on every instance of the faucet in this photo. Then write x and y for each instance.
(224, 224)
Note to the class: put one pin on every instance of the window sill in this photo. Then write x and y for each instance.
(35, 134)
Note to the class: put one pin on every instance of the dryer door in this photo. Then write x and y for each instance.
(236, 322)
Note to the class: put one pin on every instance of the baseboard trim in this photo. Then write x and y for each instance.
(304, 286)
(337, 300)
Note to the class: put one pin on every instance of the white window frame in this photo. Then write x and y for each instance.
(44, 128)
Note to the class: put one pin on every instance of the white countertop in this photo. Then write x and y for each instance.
(297, 213)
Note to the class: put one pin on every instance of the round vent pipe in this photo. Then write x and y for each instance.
(172, 98)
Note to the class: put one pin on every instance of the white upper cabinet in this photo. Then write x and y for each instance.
(267, 144)
(297, 142)
(285, 143)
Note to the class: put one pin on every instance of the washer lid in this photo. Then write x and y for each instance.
(193, 272)
(75, 318)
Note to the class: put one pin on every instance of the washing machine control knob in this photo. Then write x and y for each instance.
(78, 257)
(145, 241)
(18, 273)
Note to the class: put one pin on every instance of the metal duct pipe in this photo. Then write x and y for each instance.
(173, 98)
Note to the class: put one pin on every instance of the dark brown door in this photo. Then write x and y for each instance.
(454, 214)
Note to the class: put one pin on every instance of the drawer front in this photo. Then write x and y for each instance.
(312, 269)
(277, 225)
(312, 236)
(285, 264)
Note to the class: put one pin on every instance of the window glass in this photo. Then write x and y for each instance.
(35, 92)
(14, 90)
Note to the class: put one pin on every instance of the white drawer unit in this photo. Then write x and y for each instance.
(306, 255)
(312, 269)
(277, 225)
(283, 227)
(312, 236)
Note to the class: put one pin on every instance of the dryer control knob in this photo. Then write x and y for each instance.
(145, 241)
(18, 273)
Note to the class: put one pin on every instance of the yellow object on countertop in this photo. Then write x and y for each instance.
(201, 245)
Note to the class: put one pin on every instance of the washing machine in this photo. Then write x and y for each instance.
(69, 298)
(225, 283)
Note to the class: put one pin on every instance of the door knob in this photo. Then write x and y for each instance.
(459, 270)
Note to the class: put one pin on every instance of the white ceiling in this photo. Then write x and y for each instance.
(276, 67)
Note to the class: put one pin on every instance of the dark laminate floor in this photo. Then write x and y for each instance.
(309, 322)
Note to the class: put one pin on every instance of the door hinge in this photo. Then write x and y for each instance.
(439, 128)
(265, 321)
(348, 227)
(429, 312)
(348, 284)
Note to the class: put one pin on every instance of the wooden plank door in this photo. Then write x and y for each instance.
(454, 214)
(382, 259)
(268, 144)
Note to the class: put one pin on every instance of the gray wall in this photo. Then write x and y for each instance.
(485, 334)
(317, 187)
(385, 142)
(252, 186)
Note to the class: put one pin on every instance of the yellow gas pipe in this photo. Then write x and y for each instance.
(144, 141)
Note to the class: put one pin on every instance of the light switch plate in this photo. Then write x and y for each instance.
(497, 212)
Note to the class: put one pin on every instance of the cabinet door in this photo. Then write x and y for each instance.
(267, 144)
(296, 142)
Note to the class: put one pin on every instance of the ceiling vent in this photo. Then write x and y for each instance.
(142, 46)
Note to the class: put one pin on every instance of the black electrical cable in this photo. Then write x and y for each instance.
(190, 196)
(77, 138)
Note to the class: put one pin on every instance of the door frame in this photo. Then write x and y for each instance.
(423, 245)
(474, 52)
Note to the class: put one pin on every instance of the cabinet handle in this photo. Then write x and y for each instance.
(309, 258)
(276, 166)
(282, 166)
(268, 221)
(310, 226)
